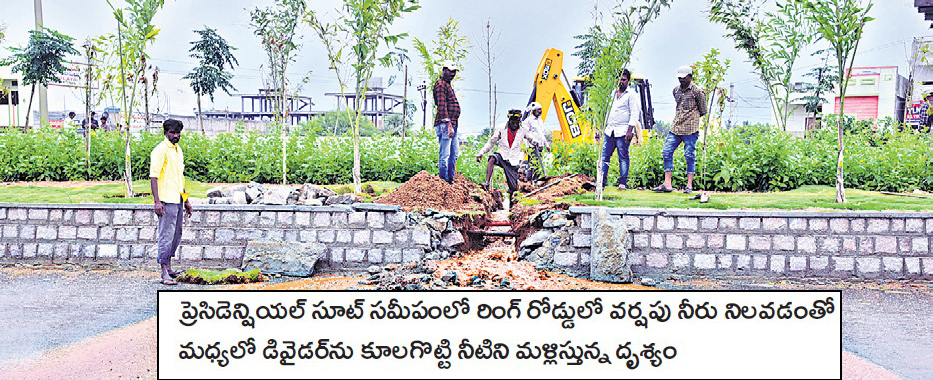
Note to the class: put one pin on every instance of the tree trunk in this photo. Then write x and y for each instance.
(358, 102)
(29, 108)
(146, 100)
(840, 189)
(405, 104)
(200, 121)
(129, 167)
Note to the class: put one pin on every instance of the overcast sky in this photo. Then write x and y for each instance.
(680, 36)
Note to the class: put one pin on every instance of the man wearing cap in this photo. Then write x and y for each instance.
(445, 122)
(691, 105)
(925, 118)
(508, 138)
(620, 128)
(535, 127)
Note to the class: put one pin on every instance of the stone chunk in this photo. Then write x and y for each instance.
(216, 192)
(610, 261)
(286, 258)
(343, 199)
(278, 196)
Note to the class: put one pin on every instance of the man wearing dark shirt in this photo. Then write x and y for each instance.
(445, 122)
(925, 118)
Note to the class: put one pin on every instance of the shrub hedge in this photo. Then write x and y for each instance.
(750, 158)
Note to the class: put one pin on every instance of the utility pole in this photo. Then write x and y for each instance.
(405, 103)
(424, 103)
(731, 103)
(43, 91)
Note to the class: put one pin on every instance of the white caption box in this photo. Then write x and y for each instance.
(499, 334)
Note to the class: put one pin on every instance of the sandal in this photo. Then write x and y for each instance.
(688, 190)
(175, 273)
(168, 281)
(622, 188)
(661, 189)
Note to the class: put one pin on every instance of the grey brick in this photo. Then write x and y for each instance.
(743, 262)
(728, 223)
(709, 223)
(144, 217)
(286, 218)
(267, 218)
(806, 244)
(411, 254)
(868, 264)
(128, 234)
(234, 253)
(326, 236)
(393, 255)
(307, 236)
(147, 234)
(275, 234)
(565, 258)
(778, 262)
(189, 235)
(224, 235)
(46, 250)
(55, 216)
(927, 264)
(819, 263)
(687, 223)
(206, 236)
(357, 219)
(229, 218)
(839, 225)
(102, 217)
(580, 239)
(420, 236)
(897, 225)
(46, 233)
(213, 253)
(647, 224)
(197, 217)
(15, 251)
(920, 245)
(250, 218)
(246, 235)
(61, 251)
(89, 233)
(139, 251)
(322, 219)
(930, 225)
(759, 243)
(29, 251)
(68, 216)
(849, 244)
(38, 214)
(83, 217)
(865, 245)
(675, 241)
(798, 224)
(361, 237)
(665, 223)
(395, 221)
(750, 224)
(657, 241)
(339, 219)
(912, 265)
(784, 242)
(336, 255)
(704, 261)
(303, 218)
(375, 219)
(724, 261)
(818, 224)
(382, 237)
(191, 253)
(914, 225)
(858, 225)
(830, 245)
(735, 242)
(760, 262)
(10, 232)
(893, 264)
(586, 221)
(654, 260)
(879, 225)
(354, 255)
(291, 236)
(27, 232)
(374, 255)
(16, 214)
(344, 236)
(798, 263)
(632, 222)
(108, 251)
(903, 244)
(716, 241)
(122, 217)
(89, 251)
(67, 232)
(2, 213)
(680, 260)
(774, 224)
(696, 241)
(886, 244)
(125, 251)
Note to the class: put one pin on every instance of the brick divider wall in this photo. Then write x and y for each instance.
(872, 245)
(215, 236)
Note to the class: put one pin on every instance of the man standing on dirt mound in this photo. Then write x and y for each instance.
(445, 122)
(168, 194)
(691, 105)
(509, 138)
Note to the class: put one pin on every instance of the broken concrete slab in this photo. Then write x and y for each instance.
(285, 258)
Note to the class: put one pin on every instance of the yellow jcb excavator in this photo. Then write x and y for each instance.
(549, 89)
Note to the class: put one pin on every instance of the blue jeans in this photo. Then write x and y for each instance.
(671, 144)
(448, 153)
(620, 145)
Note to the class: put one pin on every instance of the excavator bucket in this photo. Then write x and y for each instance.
(549, 89)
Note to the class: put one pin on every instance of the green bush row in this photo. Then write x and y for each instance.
(750, 158)
(762, 158)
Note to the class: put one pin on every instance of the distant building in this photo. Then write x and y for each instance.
(377, 105)
(873, 93)
(14, 99)
(261, 107)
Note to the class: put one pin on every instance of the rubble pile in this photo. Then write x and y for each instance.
(426, 191)
(254, 193)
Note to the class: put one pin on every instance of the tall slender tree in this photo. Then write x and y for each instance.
(215, 54)
(42, 60)
(840, 23)
(488, 55)
(449, 45)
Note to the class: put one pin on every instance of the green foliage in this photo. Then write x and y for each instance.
(708, 74)
(763, 158)
(336, 123)
(449, 45)
(42, 60)
(276, 27)
(214, 54)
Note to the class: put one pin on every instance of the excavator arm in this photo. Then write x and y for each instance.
(548, 89)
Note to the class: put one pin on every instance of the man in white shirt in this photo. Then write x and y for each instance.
(535, 126)
(620, 128)
(508, 138)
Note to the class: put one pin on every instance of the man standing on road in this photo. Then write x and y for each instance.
(691, 105)
(168, 193)
(620, 128)
(535, 127)
(445, 122)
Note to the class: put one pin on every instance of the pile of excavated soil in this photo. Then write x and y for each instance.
(569, 184)
(427, 191)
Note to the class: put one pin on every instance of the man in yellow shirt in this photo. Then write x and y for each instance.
(168, 184)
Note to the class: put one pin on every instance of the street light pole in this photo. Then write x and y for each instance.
(43, 91)
(424, 103)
